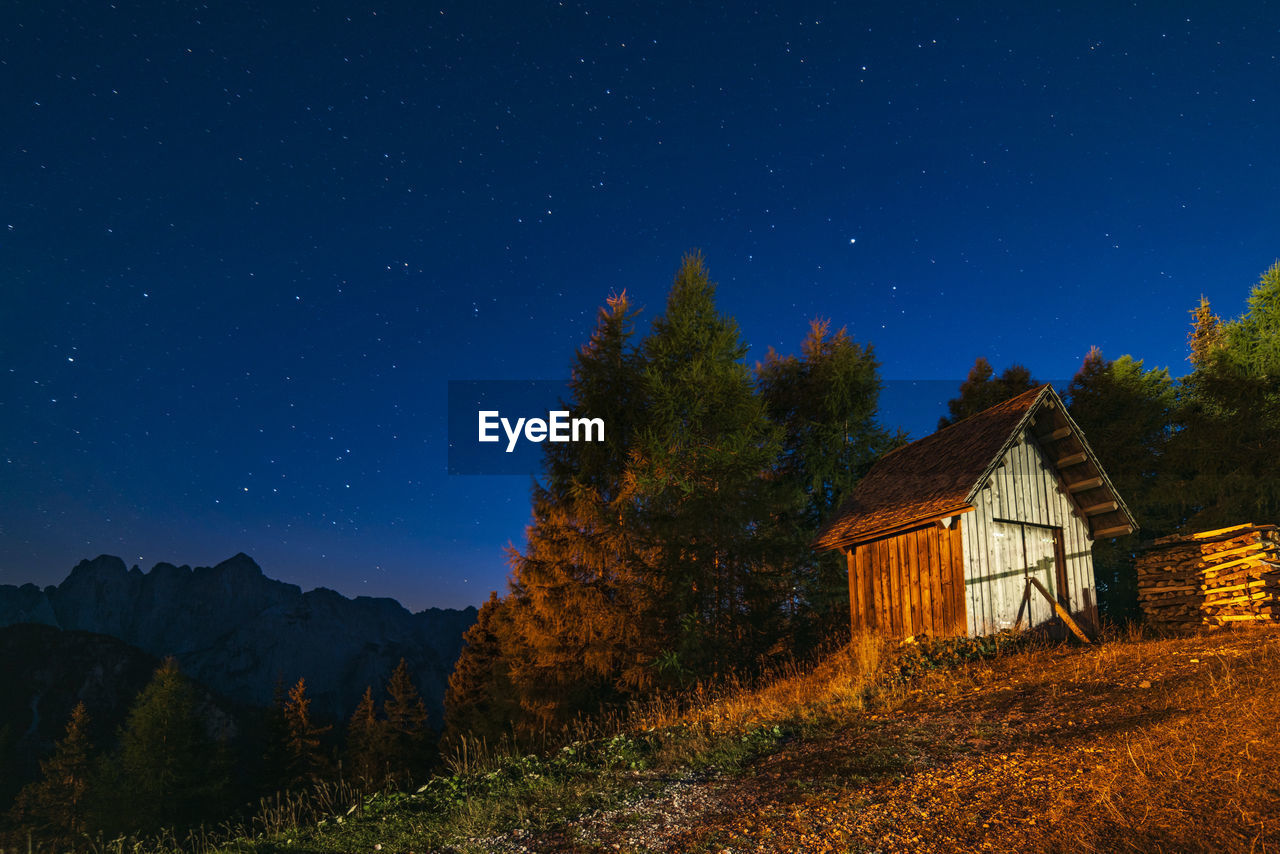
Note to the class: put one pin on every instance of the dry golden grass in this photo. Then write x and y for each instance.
(1201, 770)
(1142, 743)
(839, 685)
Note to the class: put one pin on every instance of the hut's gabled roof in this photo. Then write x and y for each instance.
(941, 474)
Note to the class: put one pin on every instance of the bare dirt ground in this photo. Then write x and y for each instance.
(1143, 745)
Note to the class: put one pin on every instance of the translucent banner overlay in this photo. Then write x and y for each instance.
(912, 405)
(516, 401)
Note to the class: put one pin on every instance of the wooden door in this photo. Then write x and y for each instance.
(1019, 551)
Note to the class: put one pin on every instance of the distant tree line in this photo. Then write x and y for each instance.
(175, 764)
(679, 548)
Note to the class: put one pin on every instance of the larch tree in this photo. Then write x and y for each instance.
(480, 701)
(1127, 412)
(675, 550)
(826, 401)
(366, 742)
(306, 759)
(578, 590)
(1223, 454)
(700, 471)
(1205, 336)
(167, 772)
(409, 738)
(55, 806)
(983, 390)
(272, 766)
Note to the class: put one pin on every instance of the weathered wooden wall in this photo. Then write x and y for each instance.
(1000, 555)
(909, 583)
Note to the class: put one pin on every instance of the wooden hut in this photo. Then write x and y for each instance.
(943, 534)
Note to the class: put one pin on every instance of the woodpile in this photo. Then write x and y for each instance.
(1216, 577)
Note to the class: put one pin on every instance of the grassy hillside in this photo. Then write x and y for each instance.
(1137, 744)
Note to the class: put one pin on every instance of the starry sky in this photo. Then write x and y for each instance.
(244, 247)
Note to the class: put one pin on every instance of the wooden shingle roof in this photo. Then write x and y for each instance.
(941, 474)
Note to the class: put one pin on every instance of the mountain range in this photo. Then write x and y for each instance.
(242, 634)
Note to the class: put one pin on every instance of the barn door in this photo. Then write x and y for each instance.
(1020, 551)
(1040, 562)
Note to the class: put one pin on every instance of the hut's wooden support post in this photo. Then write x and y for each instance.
(1057, 607)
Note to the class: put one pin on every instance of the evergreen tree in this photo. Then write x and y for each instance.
(677, 548)
(366, 742)
(979, 391)
(409, 744)
(826, 403)
(273, 762)
(1206, 333)
(1253, 341)
(1127, 413)
(167, 772)
(480, 701)
(306, 761)
(571, 612)
(55, 806)
(1223, 455)
(699, 468)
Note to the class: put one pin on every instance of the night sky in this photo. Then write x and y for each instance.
(244, 247)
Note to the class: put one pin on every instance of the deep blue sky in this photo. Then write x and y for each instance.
(244, 247)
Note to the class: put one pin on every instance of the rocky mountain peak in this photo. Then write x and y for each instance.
(237, 630)
(101, 568)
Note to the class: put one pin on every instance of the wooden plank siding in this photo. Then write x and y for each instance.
(909, 583)
(999, 555)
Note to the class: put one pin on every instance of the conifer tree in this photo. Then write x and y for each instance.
(1223, 457)
(366, 742)
(826, 403)
(408, 740)
(480, 701)
(272, 767)
(700, 470)
(980, 391)
(573, 621)
(167, 772)
(1127, 413)
(1253, 341)
(55, 805)
(306, 761)
(1206, 333)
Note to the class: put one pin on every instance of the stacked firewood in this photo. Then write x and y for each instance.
(1215, 577)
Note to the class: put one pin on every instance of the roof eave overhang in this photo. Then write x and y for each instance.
(846, 543)
(1119, 520)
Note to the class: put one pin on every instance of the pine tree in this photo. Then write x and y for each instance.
(306, 761)
(55, 805)
(1206, 333)
(167, 772)
(699, 468)
(480, 701)
(979, 391)
(826, 403)
(1127, 413)
(1223, 454)
(409, 745)
(571, 625)
(366, 742)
